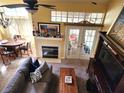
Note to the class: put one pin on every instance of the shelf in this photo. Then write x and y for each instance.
(48, 38)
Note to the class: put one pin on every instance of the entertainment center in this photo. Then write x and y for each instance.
(106, 69)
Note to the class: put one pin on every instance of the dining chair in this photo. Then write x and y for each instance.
(6, 55)
(26, 48)
(17, 37)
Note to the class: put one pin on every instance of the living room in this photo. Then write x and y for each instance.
(64, 34)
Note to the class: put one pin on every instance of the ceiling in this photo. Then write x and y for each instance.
(10, 1)
(81, 1)
(57, 1)
(76, 0)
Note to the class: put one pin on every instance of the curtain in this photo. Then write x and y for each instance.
(21, 26)
(20, 22)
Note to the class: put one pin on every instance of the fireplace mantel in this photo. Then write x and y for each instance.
(48, 38)
(41, 41)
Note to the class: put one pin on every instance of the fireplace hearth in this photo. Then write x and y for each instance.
(49, 52)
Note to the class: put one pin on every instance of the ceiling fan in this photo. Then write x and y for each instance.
(29, 5)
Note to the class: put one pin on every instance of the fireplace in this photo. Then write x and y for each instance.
(49, 51)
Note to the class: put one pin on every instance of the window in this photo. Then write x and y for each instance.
(15, 12)
(75, 17)
(89, 38)
(58, 16)
(20, 22)
(64, 16)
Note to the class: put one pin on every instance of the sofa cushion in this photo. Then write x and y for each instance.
(41, 71)
(35, 76)
(34, 65)
(16, 84)
(35, 62)
(19, 81)
(43, 67)
(46, 77)
(24, 67)
(26, 62)
(39, 87)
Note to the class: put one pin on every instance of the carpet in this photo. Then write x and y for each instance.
(80, 67)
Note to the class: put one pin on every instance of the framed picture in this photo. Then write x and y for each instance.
(116, 32)
(49, 29)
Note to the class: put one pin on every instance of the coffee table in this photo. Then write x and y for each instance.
(65, 87)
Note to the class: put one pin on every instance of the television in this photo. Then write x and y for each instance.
(112, 69)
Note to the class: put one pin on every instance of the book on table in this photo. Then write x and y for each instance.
(68, 79)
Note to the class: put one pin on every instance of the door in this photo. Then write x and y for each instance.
(81, 42)
(88, 42)
(72, 42)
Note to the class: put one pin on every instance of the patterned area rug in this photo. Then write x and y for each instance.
(80, 67)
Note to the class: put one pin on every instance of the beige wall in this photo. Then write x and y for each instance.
(3, 33)
(43, 14)
(112, 13)
(10, 1)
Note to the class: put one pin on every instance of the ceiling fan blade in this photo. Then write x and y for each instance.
(52, 8)
(45, 5)
(14, 5)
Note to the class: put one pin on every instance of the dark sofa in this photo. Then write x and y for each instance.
(21, 83)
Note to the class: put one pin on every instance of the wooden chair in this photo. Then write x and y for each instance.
(26, 48)
(6, 55)
(17, 37)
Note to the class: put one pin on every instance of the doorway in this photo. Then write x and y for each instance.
(81, 42)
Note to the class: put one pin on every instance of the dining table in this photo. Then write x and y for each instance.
(12, 44)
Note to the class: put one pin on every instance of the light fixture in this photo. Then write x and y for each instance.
(4, 21)
(32, 10)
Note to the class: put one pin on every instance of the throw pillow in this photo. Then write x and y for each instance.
(35, 76)
(34, 64)
(35, 61)
(43, 67)
(32, 68)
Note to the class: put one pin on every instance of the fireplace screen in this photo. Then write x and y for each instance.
(49, 52)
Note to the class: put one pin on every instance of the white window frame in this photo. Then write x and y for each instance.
(75, 17)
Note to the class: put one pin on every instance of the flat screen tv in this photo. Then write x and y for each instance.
(112, 70)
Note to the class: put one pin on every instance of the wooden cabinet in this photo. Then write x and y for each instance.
(106, 69)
